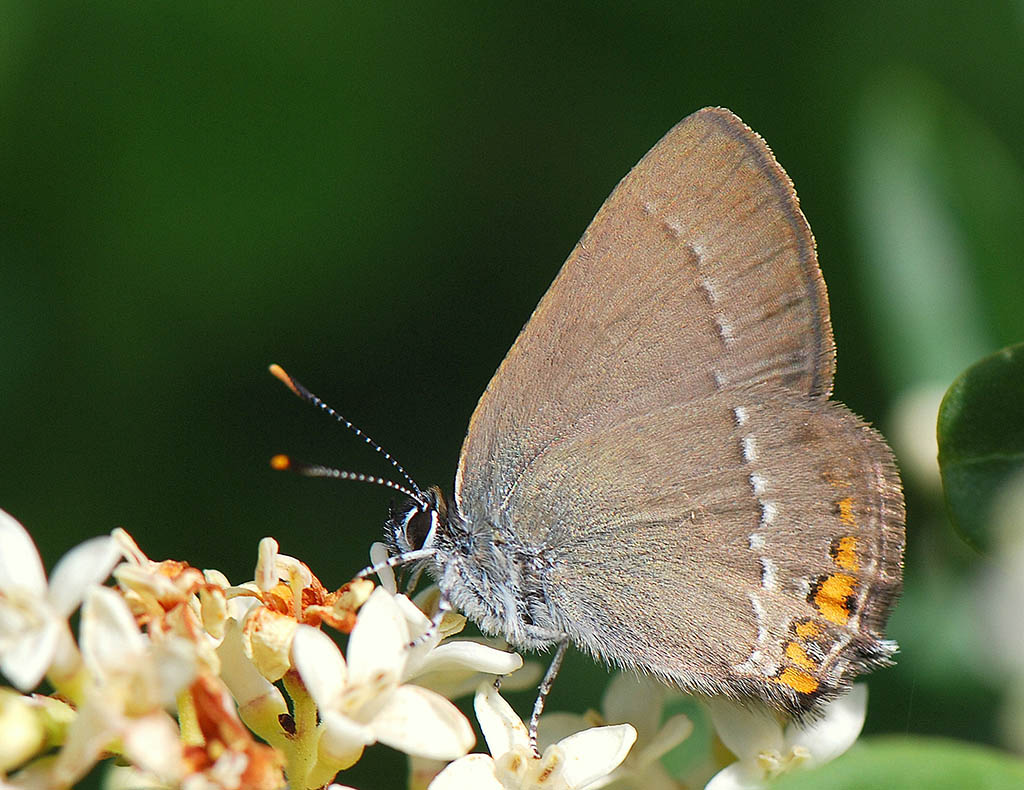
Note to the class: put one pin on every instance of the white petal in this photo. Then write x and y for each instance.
(526, 677)
(213, 610)
(501, 727)
(417, 721)
(128, 777)
(147, 581)
(129, 547)
(465, 654)
(176, 664)
(110, 638)
(745, 728)
(214, 576)
(378, 554)
(268, 635)
(557, 726)
(67, 659)
(86, 564)
(455, 684)
(243, 680)
(379, 642)
(634, 700)
(831, 735)
(266, 565)
(472, 772)
(673, 732)
(241, 599)
(418, 621)
(738, 776)
(421, 645)
(152, 743)
(26, 659)
(422, 771)
(294, 571)
(320, 665)
(20, 566)
(342, 739)
(418, 624)
(95, 726)
(596, 752)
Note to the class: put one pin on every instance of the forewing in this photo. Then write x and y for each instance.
(697, 275)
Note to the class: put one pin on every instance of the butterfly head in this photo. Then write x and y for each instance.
(418, 524)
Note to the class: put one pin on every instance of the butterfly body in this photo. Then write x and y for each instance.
(488, 573)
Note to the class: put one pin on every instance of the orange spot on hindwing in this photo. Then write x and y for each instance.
(832, 596)
(844, 553)
(798, 680)
(845, 507)
(796, 653)
(808, 629)
(803, 653)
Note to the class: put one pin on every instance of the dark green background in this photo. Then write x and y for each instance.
(376, 195)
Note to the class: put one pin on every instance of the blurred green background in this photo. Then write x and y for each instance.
(376, 195)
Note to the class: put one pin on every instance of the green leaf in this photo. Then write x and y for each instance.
(913, 762)
(981, 439)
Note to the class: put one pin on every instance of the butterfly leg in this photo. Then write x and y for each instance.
(394, 561)
(443, 607)
(545, 687)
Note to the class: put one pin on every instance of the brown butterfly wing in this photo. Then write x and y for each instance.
(748, 544)
(660, 433)
(697, 274)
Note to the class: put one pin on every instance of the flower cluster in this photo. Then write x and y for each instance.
(195, 683)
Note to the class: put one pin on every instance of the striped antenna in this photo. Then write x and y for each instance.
(284, 462)
(278, 372)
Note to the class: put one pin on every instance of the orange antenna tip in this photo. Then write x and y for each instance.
(278, 373)
(314, 470)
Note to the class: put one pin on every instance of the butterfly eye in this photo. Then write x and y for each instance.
(419, 527)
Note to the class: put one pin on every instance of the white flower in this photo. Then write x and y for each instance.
(765, 748)
(638, 701)
(582, 760)
(448, 664)
(284, 595)
(452, 669)
(171, 597)
(155, 590)
(34, 634)
(362, 701)
(454, 681)
(132, 681)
